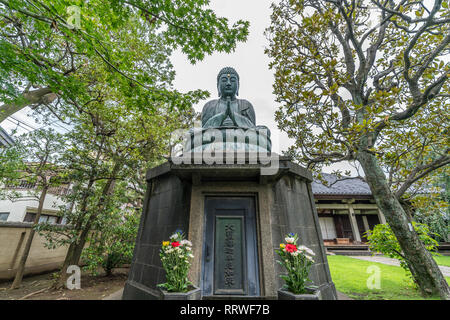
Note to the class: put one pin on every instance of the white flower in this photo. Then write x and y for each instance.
(306, 249)
(186, 242)
(289, 240)
(309, 258)
(190, 255)
(294, 253)
(188, 249)
(174, 236)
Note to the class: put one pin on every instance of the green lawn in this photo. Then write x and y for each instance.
(442, 260)
(350, 277)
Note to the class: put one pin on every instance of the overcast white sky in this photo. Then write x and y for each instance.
(249, 61)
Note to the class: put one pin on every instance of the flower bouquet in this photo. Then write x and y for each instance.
(297, 260)
(175, 256)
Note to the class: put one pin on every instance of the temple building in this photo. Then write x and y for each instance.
(346, 210)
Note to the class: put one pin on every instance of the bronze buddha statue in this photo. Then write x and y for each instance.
(229, 111)
(230, 114)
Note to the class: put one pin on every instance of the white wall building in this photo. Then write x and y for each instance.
(25, 208)
(14, 233)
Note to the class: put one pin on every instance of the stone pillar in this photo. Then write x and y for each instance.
(354, 224)
(381, 217)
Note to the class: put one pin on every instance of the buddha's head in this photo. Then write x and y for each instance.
(228, 82)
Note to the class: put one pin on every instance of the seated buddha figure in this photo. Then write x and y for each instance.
(229, 112)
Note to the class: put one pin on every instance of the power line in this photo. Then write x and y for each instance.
(27, 127)
(21, 121)
(55, 122)
(19, 124)
(45, 125)
(61, 126)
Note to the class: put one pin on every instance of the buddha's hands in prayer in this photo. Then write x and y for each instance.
(228, 109)
(230, 113)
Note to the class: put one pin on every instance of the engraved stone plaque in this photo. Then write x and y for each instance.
(230, 255)
(230, 264)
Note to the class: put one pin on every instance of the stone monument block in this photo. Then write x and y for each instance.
(235, 213)
(235, 219)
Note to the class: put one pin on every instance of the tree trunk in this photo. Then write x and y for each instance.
(63, 276)
(31, 97)
(423, 267)
(107, 189)
(26, 250)
(76, 248)
(70, 255)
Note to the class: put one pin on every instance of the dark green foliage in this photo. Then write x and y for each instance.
(113, 244)
(382, 239)
(47, 44)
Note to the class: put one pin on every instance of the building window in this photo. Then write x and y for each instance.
(44, 218)
(4, 216)
(29, 217)
(52, 219)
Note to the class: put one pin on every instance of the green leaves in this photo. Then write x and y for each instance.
(352, 91)
(130, 40)
(114, 245)
(381, 239)
(337, 97)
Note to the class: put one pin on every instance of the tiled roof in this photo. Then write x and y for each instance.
(353, 186)
(5, 139)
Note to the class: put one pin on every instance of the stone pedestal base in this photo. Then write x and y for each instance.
(175, 199)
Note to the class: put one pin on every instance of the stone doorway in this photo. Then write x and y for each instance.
(230, 252)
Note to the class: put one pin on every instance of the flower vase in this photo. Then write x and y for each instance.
(311, 294)
(193, 294)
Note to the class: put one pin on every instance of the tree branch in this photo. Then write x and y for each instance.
(427, 169)
(27, 98)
